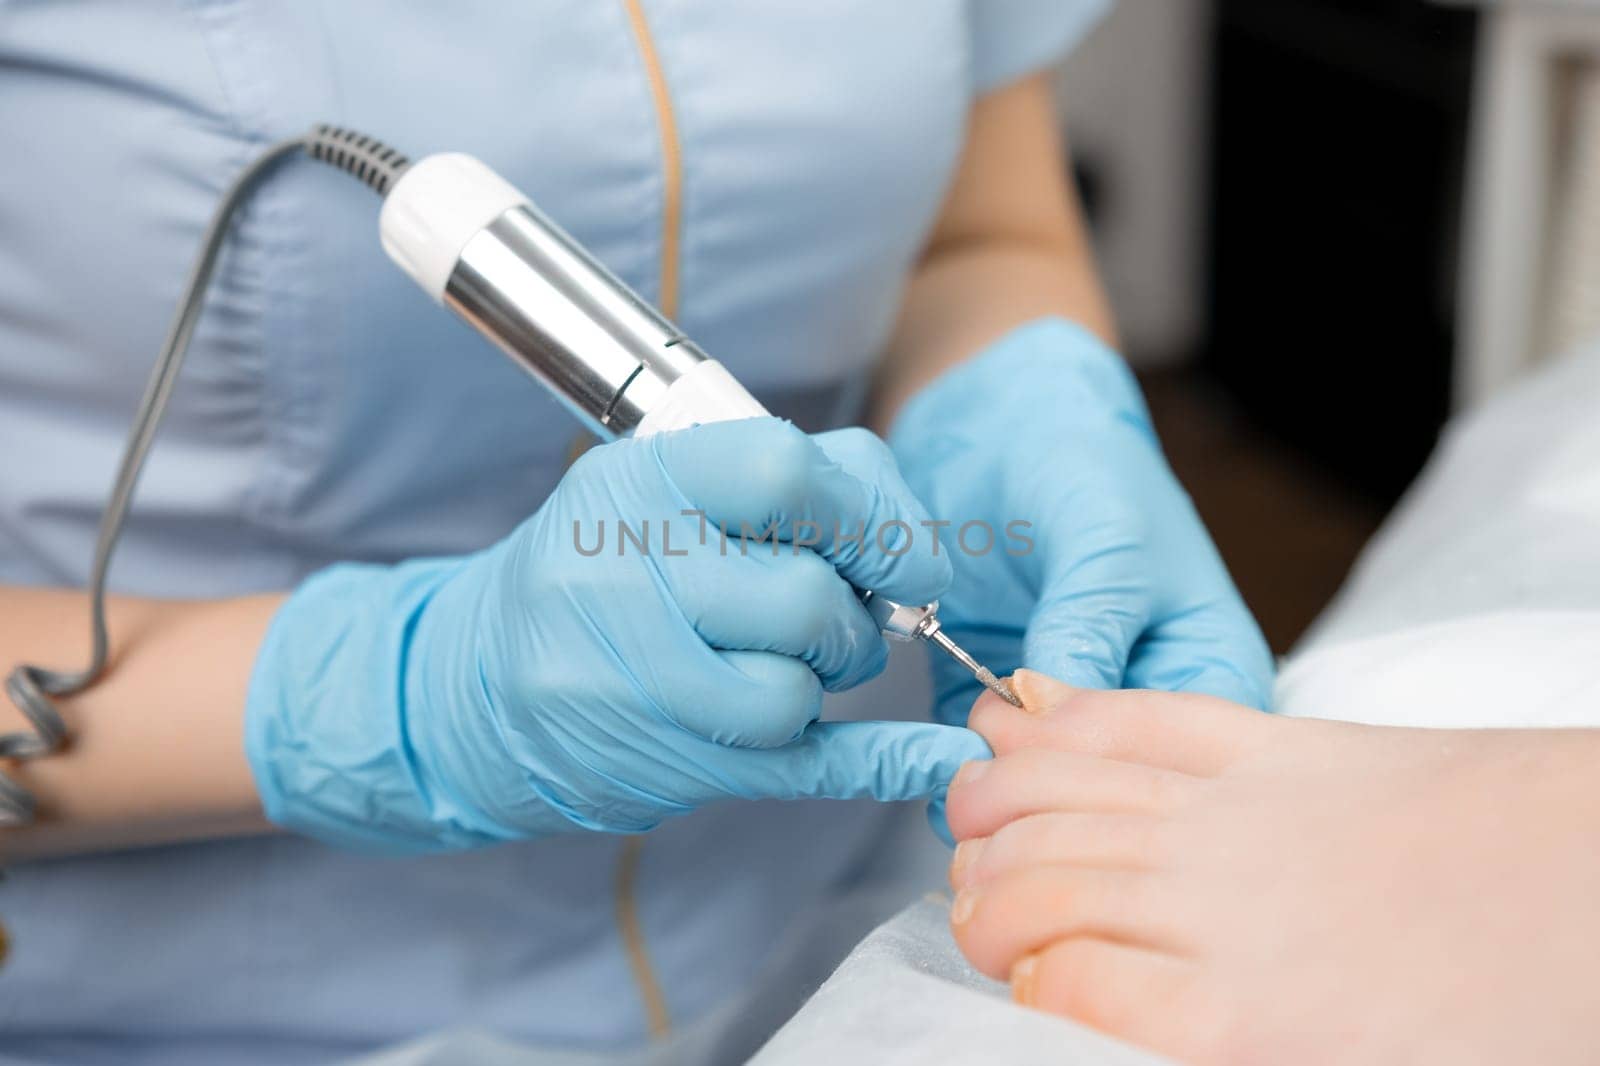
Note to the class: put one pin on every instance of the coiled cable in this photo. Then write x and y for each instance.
(34, 689)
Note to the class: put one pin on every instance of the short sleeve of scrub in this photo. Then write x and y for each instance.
(1012, 38)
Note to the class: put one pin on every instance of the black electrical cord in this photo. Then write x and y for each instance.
(33, 688)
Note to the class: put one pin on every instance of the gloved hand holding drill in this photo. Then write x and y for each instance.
(533, 688)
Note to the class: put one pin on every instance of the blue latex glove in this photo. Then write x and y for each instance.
(532, 689)
(1119, 585)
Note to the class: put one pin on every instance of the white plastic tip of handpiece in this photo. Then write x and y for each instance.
(437, 206)
(706, 393)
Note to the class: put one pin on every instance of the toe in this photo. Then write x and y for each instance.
(988, 794)
(997, 923)
(1194, 734)
(1133, 993)
(1062, 838)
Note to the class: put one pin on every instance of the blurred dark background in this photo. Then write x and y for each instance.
(1277, 192)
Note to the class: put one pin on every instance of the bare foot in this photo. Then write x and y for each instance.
(1223, 886)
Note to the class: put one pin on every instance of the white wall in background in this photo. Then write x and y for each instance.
(1135, 96)
(1530, 286)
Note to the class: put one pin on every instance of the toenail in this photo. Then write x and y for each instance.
(966, 902)
(1025, 979)
(961, 862)
(1039, 692)
(970, 772)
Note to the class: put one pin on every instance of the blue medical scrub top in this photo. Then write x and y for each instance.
(329, 411)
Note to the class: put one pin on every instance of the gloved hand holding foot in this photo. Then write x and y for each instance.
(542, 686)
(1077, 552)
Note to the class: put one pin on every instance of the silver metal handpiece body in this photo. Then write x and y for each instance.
(603, 351)
(480, 247)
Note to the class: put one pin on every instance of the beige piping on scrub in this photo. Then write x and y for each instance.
(671, 160)
(627, 908)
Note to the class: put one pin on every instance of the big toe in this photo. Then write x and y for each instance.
(1194, 734)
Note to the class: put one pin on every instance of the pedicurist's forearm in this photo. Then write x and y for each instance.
(1010, 246)
(965, 298)
(157, 753)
